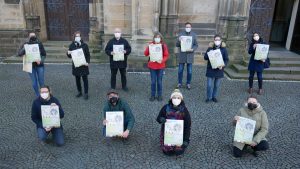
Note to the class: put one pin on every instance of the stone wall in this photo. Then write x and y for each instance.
(11, 16)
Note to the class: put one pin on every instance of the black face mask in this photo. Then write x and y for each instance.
(113, 100)
(33, 38)
(252, 106)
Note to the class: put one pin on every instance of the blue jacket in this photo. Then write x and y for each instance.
(36, 112)
(255, 65)
(216, 73)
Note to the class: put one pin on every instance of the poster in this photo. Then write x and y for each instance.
(244, 130)
(261, 51)
(115, 123)
(186, 43)
(32, 52)
(78, 57)
(215, 58)
(27, 66)
(118, 52)
(173, 132)
(155, 51)
(50, 116)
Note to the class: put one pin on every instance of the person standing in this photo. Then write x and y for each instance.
(120, 65)
(37, 74)
(255, 66)
(157, 67)
(186, 57)
(46, 98)
(82, 71)
(214, 76)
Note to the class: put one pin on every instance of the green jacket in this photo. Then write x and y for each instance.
(121, 106)
(261, 126)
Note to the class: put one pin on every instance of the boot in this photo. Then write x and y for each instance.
(260, 92)
(250, 90)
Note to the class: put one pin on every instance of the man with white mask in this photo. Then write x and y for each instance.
(46, 98)
(186, 57)
(118, 63)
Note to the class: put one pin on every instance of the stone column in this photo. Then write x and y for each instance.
(232, 25)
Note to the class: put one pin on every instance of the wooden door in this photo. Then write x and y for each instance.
(64, 17)
(260, 18)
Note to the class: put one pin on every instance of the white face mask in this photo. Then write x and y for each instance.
(77, 39)
(217, 42)
(117, 35)
(157, 40)
(45, 96)
(176, 102)
(188, 29)
(256, 38)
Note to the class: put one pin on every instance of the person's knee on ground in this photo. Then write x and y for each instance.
(237, 152)
(262, 146)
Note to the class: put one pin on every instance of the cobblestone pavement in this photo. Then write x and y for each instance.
(211, 135)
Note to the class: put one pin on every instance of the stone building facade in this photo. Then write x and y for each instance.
(235, 20)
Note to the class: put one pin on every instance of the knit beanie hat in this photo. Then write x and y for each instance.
(176, 92)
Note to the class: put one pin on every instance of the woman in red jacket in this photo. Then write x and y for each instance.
(158, 54)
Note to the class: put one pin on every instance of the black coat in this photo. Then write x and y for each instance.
(109, 49)
(255, 65)
(21, 52)
(82, 70)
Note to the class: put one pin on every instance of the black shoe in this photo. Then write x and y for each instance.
(207, 100)
(159, 98)
(125, 89)
(214, 100)
(152, 98)
(86, 96)
(79, 94)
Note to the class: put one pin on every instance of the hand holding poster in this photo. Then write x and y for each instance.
(118, 52)
(173, 132)
(155, 52)
(32, 52)
(115, 123)
(261, 51)
(186, 43)
(215, 58)
(244, 130)
(50, 116)
(78, 57)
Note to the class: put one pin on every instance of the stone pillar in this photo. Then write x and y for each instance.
(232, 25)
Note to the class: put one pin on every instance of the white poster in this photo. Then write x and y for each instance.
(78, 57)
(118, 52)
(115, 123)
(215, 58)
(50, 116)
(156, 53)
(27, 66)
(261, 51)
(32, 52)
(244, 130)
(173, 134)
(186, 43)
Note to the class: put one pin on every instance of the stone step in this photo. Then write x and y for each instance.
(272, 70)
(280, 63)
(286, 77)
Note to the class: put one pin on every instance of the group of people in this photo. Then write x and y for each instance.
(174, 109)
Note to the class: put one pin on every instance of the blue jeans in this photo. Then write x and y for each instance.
(56, 132)
(37, 78)
(213, 85)
(259, 78)
(156, 80)
(189, 73)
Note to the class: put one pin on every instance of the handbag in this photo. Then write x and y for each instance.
(267, 63)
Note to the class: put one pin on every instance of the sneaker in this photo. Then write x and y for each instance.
(260, 92)
(125, 89)
(159, 98)
(179, 86)
(79, 94)
(86, 96)
(207, 100)
(188, 86)
(214, 100)
(152, 98)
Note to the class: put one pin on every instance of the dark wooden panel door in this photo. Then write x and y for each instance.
(295, 45)
(260, 18)
(64, 17)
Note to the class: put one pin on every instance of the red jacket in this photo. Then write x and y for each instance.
(156, 65)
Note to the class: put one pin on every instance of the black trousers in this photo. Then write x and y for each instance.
(263, 145)
(85, 83)
(113, 78)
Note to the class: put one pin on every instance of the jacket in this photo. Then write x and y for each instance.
(82, 70)
(121, 106)
(36, 112)
(109, 49)
(255, 65)
(187, 57)
(261, 126)
(216, 73)
(43, 54)
(156, 65)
